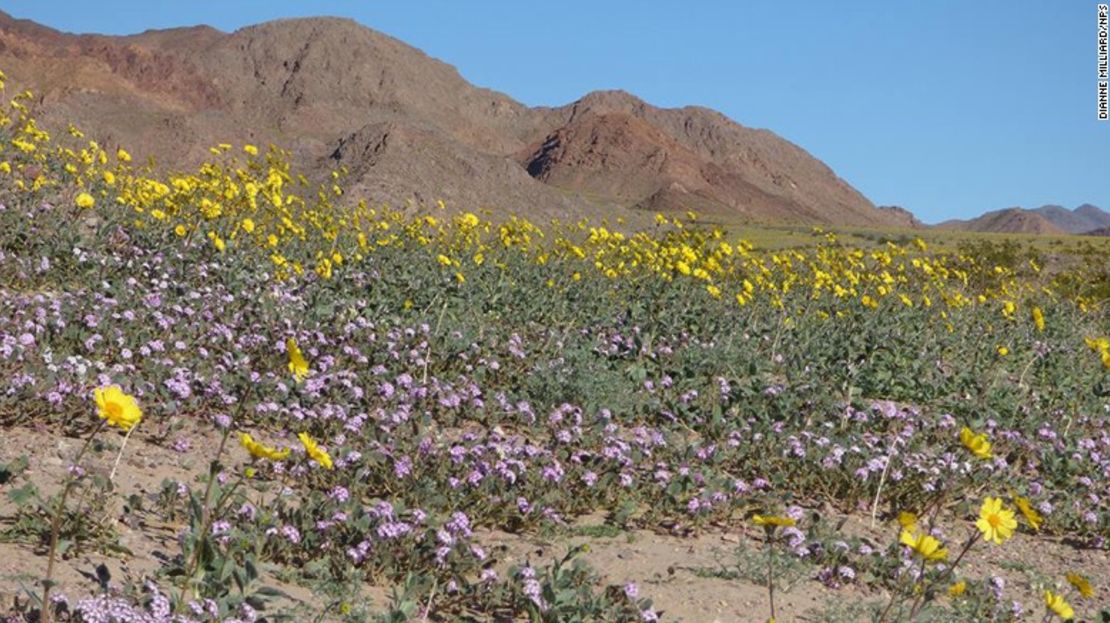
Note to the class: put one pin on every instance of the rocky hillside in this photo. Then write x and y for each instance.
(905, 216)
(1048, 219)
(1082, 219)
(1009, 221)
(412, 130)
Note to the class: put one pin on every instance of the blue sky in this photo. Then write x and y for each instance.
(948, 108)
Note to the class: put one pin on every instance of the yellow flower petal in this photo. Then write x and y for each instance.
(117, 407)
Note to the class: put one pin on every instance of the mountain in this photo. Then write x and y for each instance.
(1048, 219)
(1094, 215)
(1009, 221)
(410, 129)
(904, 216)
(1080, 220)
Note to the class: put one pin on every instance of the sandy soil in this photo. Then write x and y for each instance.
(677, 572)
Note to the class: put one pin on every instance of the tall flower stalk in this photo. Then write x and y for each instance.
(207, 517)
(115, 408)
(771, 523)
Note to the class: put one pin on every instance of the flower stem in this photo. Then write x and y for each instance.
(119, 456)
(919, 602)
(771, 575)
(882, 481)
(56, 527)
(893, 599)
(205, 516)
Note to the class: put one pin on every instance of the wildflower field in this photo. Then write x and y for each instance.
(237, 394)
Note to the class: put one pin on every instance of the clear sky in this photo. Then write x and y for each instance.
(948, 108)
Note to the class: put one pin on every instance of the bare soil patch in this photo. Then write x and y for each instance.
(689, 578)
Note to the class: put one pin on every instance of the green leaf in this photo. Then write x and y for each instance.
(250, 569)
(270, 591)
(118, 549)
(9, 471)
(21, 496)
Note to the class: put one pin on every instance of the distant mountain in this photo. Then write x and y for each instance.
(1083, 219)
(411, 130)
(904, 217)
(1048, 219)
(1009, 221)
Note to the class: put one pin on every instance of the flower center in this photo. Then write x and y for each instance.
(994, 520)
(115, 410)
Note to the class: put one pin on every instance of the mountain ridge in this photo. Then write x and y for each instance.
(328, 89)
(1047, 219)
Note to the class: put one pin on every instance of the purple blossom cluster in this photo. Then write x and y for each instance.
(513, 405)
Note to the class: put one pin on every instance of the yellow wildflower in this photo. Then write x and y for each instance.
(118, 408)
(928, 547)
(1038, 319)
(122, 155)
(1081, 584)
(84, 200)
(995, 522)
(1031, 515)
(248, 225)
(1097, 344)
(976, 444)
(261, 451)
(298, 365)
(251, 150)
(1003, 351)
(315, 452)
(1057, 605)
(957, 589)
(773, 521)
(468, 221)
(907, 520)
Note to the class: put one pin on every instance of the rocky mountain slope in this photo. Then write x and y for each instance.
(1049, 219)
(411, 129)
(1010, 221)
(1082, 219)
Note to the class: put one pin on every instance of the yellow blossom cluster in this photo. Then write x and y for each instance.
(250, 200)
